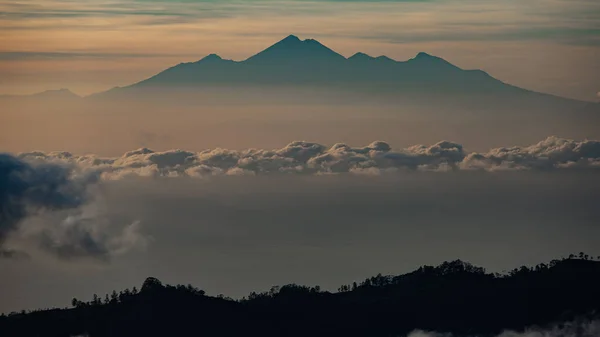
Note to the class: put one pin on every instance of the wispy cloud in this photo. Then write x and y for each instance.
(238, 29)
(27, 55)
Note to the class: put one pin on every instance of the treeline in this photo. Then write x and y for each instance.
(454, 296)
(126, 295)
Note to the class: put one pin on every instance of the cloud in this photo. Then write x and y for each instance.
(565, 22)
(327, 229)
(53, 199)
(26, 55)
(580, 328)
(28, 188)
(13, 254)
(85, 234)
(302, 157)
(51, 202)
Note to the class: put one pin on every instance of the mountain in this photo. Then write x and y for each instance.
(456, 298)
(58, 94)
(295, 62)
(293, 51)
(293, 67)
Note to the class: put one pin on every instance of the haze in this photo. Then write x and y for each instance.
(131, 149)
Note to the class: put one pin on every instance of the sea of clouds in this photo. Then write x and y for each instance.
(55, 200)
(313, 158)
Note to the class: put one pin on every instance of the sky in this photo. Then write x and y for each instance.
(98, 195)
(88, 46)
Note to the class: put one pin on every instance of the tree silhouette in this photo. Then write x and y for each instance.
(96, 300)
(454, 296)
(151, 283)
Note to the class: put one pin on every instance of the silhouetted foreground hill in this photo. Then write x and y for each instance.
(453, 297)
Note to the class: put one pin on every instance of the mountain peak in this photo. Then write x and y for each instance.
(57, 93)
(430, 60)
(360, 56)
(291, 38)
(211, 57)
(384, 58)
(422, 55)
(365, 57)
(292, 49)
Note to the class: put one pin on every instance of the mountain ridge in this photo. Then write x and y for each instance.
(295, 63)
(292, 62)
(455, 297)
(51, 93)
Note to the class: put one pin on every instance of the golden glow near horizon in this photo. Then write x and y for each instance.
(92, 45)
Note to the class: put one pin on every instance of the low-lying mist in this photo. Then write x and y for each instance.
(213, 196)
(579, 328)
(235, 121)
(234, 234)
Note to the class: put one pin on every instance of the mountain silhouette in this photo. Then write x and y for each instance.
(296, 62)
(63, 94)
(293, 51)
(292, 65)
(454, 297)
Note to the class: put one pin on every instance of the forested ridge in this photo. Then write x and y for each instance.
(455, 297)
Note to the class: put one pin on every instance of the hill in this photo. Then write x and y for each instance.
(454, 297)
(46, 96)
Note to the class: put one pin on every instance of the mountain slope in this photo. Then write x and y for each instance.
(292, 61)
(58, 94)
(455, 297)
(293, 51)
(292, 65)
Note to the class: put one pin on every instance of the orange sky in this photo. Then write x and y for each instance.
(92, 45)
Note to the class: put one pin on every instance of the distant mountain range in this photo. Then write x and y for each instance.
(292, 65)
(48, 94)
(295, 62)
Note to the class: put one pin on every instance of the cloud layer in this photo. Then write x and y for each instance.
(51, 202)
(52, 199)
(302, 157)
(327, 229)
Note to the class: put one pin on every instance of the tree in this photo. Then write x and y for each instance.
(96, 300)
(274, 291)
(151, 283)
(114, 297)
(75, 302)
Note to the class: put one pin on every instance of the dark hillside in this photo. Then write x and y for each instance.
(453, 297)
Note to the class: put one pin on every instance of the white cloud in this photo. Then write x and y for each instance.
(568, 329)
(552, 153)
(56, 189)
